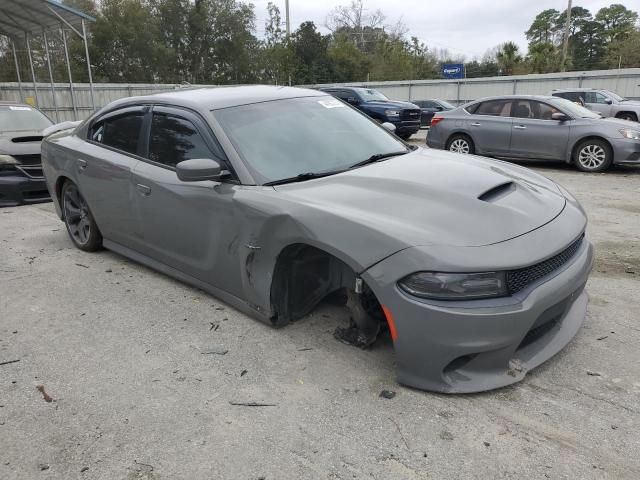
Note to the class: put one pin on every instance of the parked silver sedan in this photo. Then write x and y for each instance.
(537, 128)
(273, 198)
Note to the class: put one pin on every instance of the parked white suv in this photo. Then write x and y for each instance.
(609, 104)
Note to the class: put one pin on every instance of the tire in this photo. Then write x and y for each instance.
(593, 156)
(405, 136)
(81, 226)
(460, 143)
(632, 117)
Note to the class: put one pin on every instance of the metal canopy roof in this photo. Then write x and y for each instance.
(20, 17)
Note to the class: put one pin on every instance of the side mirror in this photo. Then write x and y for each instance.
(608, 101)
(389, 126)
(199, 169)
(560, 117)
(439, 109)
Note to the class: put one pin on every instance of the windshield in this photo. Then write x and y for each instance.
(369, 95)
(16, 118)
(285, 138)
(574, 109)
(615, 96)
(446, 104)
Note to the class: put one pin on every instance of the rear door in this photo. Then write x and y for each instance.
(189, 226)
(490, 126)
(104, 173)
(535, 134)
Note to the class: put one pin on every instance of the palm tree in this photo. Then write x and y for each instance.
(508, 56)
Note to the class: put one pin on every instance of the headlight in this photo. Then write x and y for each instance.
(455, 286)
(630, 134)
(392, 113)
(7, 162)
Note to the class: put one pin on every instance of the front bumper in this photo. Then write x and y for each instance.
(407, 126)
(626, 151)
(17, 188)
(472, 346)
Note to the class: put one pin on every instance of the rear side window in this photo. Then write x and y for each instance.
(121, 132)
(571, 96)
(174, 139)
(496, 108)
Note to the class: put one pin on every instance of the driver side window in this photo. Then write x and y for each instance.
(174, 139)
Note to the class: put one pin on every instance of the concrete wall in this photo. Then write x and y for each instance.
(626, 82)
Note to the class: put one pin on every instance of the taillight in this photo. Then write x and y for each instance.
(436, 120)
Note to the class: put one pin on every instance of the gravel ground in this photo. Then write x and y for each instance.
(124, 354)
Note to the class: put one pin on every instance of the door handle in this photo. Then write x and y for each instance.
(82, 164)
(519, 127)
(143, 189)
(475, 124)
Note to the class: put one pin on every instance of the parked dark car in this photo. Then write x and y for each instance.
(537, 127)
(21, 178)
(430, 108)
(272, 198)
(404, 116)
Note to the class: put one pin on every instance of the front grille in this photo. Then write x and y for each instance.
(32, 171)
(519, 279)
(411, 114)
(33, 159)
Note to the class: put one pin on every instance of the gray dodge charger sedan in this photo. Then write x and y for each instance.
(537, 128)
(272, 198)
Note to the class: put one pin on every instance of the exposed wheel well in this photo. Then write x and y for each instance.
(302, 277)
(582, 140)
(58, 189)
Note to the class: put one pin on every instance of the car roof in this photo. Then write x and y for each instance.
(515, 97)
(214, 98)
(577, 89)
(14, 104)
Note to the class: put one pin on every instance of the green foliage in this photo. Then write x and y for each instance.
(215, 42)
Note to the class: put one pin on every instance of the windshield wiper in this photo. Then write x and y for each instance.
(301, 177)
(377, 157)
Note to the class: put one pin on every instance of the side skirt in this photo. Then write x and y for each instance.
(226, 297)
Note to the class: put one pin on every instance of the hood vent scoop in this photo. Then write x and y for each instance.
(499, 191)
(32, 138)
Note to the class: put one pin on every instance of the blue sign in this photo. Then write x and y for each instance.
(453, 70)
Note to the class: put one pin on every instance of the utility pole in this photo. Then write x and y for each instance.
(565, 43)
(286, 10)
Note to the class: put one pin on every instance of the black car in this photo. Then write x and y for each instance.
(404, 116)
(430, 108)
(21, 177)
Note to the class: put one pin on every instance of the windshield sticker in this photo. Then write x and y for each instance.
(333, 103)
(11, 107)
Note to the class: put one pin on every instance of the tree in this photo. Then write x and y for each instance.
(354, 22)
(588, 46)
(543, 27)
(311, 62)
(625, 51)
(543, 57)
(617, 21)
(508, 56)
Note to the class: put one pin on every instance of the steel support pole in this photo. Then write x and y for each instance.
(86, 52)
(71, 89)
(33, 73)
(15, 59)
(53, 87)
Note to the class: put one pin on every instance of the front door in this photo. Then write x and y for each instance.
(535, 134)
(598, 102)
(186, 225)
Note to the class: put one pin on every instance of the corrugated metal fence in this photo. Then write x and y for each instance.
(625, 82)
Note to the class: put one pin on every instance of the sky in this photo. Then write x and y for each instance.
(464, 27)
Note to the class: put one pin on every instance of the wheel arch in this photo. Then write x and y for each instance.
(627, 112)
(574, 148)
(460, 132)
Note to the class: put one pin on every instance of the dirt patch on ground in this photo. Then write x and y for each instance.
(626, 207)
(617, 259)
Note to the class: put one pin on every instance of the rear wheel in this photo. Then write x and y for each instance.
(460, 143)
(593, 156)
(405, 136)
(78, 219)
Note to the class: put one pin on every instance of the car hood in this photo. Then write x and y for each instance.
(23, 142)
(392, 104)
(610, 121)
(429, 197)
(633, 103)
